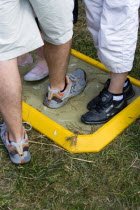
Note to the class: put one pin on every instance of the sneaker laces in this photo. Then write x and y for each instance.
(100, 104)
(72, 77)
(99, 107)
(18, 145)
(27, 124)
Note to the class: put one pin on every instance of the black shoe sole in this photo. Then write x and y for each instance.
(97, 123)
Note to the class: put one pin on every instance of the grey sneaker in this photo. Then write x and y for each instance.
(18, 152)
(75, 84)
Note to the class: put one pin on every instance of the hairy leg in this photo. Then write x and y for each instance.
(57, 57)
(41, 61)
(10, 98)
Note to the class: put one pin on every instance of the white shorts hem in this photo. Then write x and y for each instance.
(18, 52)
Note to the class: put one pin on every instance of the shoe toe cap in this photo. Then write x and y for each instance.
(80, 74)
(88, 117)
(93, 117)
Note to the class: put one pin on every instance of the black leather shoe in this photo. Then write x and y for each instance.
(128, 92)
(105, 109)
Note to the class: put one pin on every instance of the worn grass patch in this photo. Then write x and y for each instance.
(58, 180)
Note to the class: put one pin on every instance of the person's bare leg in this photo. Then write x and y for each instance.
(42, 60)
(10, 98)
(57, 57)
(117, 82)
(40, 52)
(25, 60)
(40, 70)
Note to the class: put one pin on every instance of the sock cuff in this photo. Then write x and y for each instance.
(52, 90)
(64, 86)
(119, 94)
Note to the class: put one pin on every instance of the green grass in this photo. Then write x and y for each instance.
(58, 180)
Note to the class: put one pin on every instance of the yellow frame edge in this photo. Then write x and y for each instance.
(99, 65)
(84, 143)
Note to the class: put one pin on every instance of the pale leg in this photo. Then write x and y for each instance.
(10, 98)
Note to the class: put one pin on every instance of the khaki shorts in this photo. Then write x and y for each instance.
(19, 32)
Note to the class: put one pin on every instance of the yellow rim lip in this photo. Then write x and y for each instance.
(84, 143)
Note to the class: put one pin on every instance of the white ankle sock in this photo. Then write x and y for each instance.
(118, 97)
